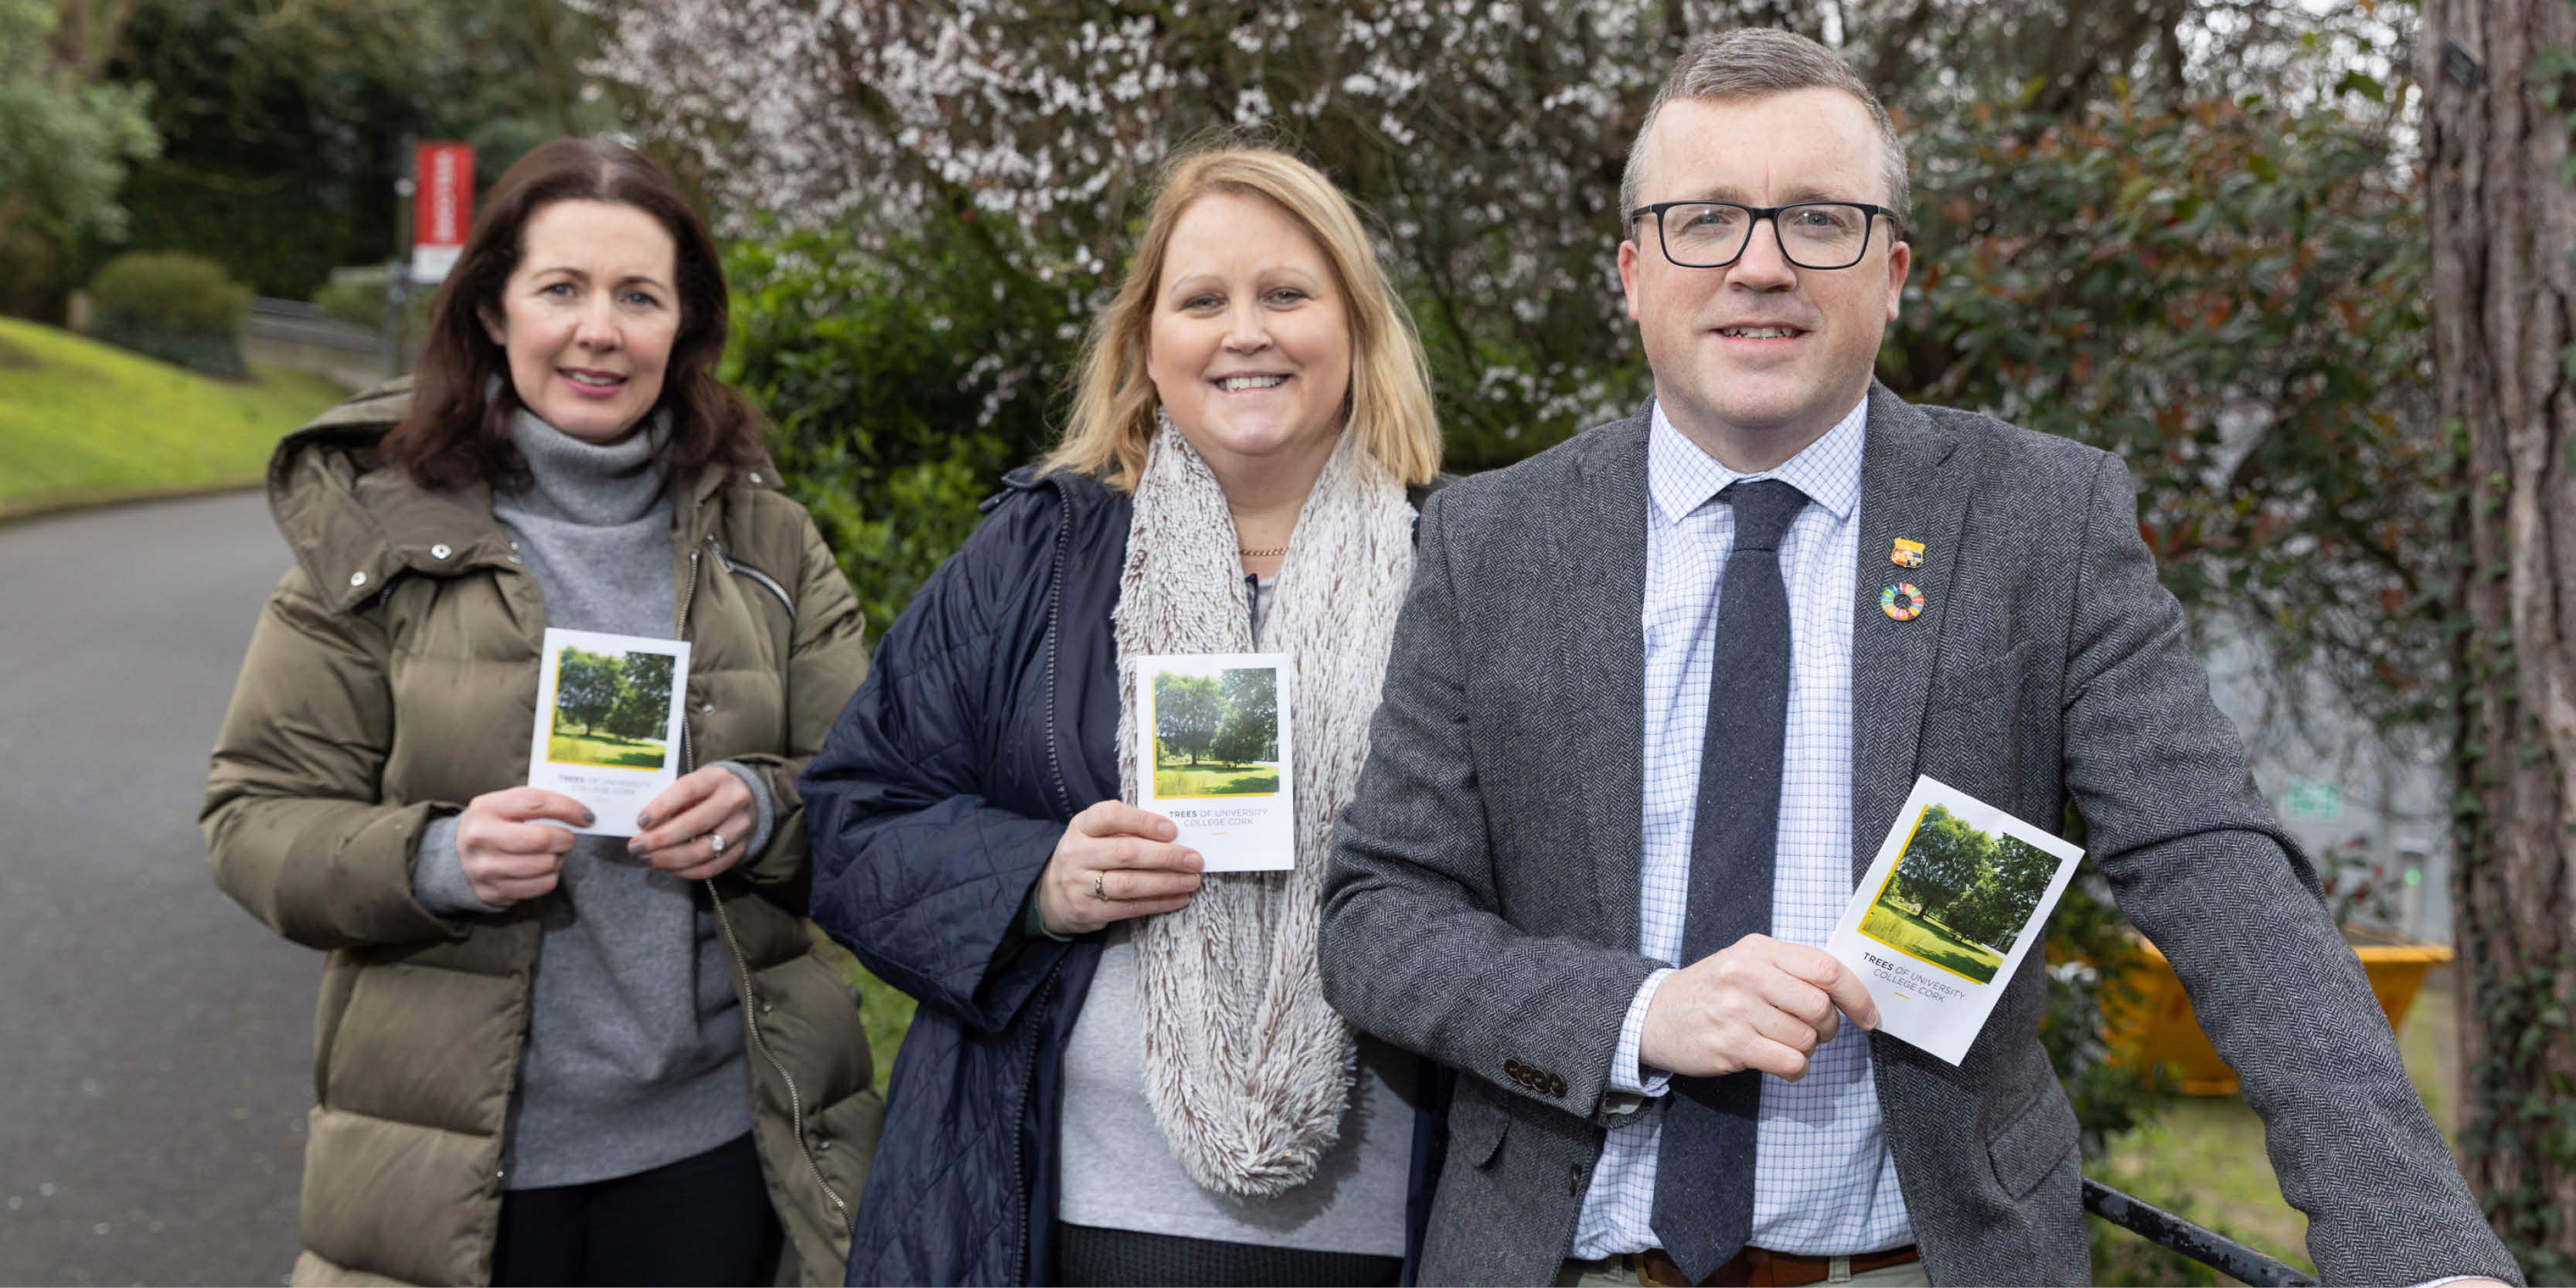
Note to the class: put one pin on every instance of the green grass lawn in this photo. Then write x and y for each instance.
(884, 1009)
(1181, 778)
(2204, 1158)
(81, 420)
(1915, 937)
(616, 753)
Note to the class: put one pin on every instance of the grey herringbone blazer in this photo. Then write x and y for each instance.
(1482, 908)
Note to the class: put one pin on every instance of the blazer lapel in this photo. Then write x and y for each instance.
(1601, 570)
(1911, 487)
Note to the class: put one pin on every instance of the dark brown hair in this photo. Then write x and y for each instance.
(456, 433)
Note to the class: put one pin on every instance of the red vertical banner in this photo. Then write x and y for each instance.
(442, 207)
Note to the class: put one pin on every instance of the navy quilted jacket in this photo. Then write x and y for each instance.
(987, 722)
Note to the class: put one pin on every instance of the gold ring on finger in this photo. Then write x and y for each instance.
(1099, 890)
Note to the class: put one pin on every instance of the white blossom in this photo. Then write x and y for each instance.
(1488, 135)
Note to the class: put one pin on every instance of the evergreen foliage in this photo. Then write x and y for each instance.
(65, 140)
(173, 306)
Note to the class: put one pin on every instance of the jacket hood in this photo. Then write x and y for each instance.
(355, 524)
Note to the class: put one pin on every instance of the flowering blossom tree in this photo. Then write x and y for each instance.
(1486, 136)
(2081, 255)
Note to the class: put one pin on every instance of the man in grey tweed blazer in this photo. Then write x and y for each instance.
(1488, 904)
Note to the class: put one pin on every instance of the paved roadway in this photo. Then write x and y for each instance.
(156, 1043)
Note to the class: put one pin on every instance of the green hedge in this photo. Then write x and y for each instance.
(173, 306)
(901, 383)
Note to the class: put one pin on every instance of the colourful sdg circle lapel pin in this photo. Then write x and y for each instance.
(1901, 601)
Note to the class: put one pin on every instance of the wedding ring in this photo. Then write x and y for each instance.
(1099, 891)
(715, 842)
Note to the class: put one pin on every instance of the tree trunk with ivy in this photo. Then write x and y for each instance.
(2499, 78)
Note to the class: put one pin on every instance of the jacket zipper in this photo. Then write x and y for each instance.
(751, 1019)
(1046, 991)
(680, 627)
(766, 582)
(1019, 1139)
(751, 1002)
(1055, 617)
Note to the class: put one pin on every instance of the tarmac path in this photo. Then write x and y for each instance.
(156, 1043)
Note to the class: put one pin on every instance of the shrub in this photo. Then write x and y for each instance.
(2230, 297)
(172, 306)
(901, 383)
(33, 277)
(357, 296)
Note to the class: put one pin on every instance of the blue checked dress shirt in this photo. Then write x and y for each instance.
(1824, 1183)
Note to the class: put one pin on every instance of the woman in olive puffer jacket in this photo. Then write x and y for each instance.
(542, 1057)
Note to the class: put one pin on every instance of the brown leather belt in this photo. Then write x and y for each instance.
(1763, 1268)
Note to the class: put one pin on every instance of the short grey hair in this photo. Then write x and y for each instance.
(1756, 62)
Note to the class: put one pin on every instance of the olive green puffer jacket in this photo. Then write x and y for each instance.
(392, 678)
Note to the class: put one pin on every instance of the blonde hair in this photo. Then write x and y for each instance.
(1112, 418)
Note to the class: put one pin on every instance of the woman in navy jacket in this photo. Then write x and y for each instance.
(988, 721)
(984, 728)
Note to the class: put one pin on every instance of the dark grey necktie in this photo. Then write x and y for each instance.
(1704, 1164)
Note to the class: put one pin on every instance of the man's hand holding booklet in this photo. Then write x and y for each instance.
(1958, 895)
(1956, 898)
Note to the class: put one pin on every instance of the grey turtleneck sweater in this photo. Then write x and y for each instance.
(634, 1055)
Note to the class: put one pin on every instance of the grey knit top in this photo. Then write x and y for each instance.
(634, 1055)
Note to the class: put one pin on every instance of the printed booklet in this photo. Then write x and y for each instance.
(1958, 896)
(1214, 744)
(608, 723)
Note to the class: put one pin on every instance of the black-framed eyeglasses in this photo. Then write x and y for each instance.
(1713, 234)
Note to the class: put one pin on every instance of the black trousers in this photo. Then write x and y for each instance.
(1094, 1257)
(702, 1220)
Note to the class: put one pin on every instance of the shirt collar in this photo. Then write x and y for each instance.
(1680, 478)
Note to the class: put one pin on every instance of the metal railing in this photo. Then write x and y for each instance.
(2201, 1244)
(300, 337)
(296, 322)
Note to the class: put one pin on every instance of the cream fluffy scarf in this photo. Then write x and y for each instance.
(1248, 1070)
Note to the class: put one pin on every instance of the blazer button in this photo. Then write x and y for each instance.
(1556, 1085)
